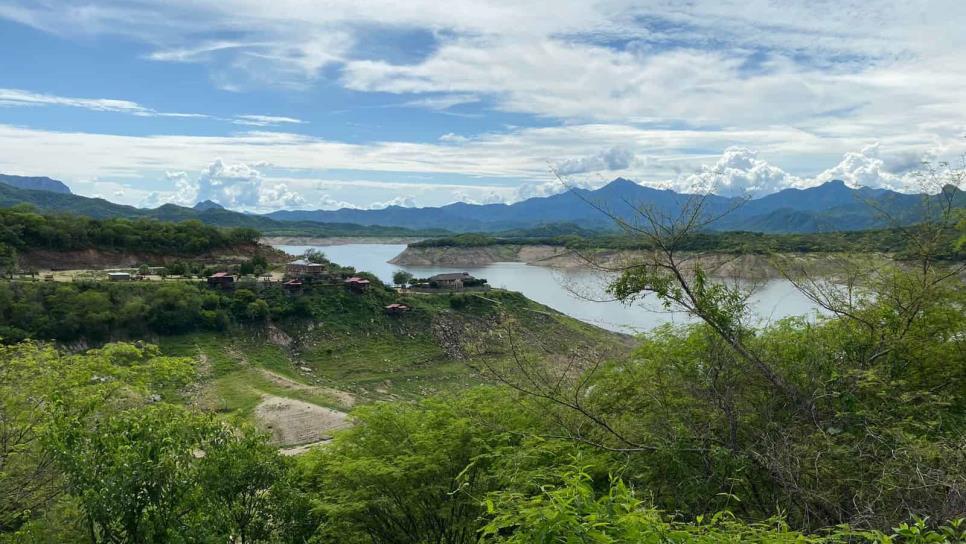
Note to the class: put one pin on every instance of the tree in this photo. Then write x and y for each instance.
(42, 389)
(313, 255)
(258, 310)
(402, 278)
(133, 472)
(238, 474)
(413, 473)
(8, 260)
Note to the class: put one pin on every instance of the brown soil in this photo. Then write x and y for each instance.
(294, 422)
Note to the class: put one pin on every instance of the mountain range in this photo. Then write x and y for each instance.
(832, 206)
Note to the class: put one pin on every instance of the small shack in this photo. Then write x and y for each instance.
(357, 284)
(396, 309)
(119, 276)
(303, 269)
(454, 280)
(221, 280)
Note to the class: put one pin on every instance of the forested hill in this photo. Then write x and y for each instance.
(35, 183)
(24, 232)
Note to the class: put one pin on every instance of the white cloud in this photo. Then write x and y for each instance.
(266, 120)
(739, 172)
(452, 137)
(235, 186)
(404, 201)
(326, 202)
(615, 158)
(865, 168)
(555, 186)
(443, 102)
(21, 98)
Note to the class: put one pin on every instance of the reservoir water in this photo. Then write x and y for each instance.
(577, 293)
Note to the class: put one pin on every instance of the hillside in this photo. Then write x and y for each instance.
(328, 347)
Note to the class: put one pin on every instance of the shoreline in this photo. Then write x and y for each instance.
(748, 265)
(336, 240)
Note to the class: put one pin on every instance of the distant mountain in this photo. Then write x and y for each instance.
(35, 183)
(831, 206)
(207, 205)
(46, 201)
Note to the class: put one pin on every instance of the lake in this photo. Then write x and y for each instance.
(577, 293)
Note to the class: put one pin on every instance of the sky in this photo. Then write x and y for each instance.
(302, 104)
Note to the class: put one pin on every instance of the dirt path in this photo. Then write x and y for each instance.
(294, 422)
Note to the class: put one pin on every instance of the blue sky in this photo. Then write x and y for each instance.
(301, 104)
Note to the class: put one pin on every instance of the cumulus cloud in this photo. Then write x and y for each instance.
(864, 169)
(236, 186)
(739, 172)
(615, 158)
(326, 202)
(488, 198)
(403, 201)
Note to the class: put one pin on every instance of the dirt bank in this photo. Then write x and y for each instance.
(749, 266)
(335, 240)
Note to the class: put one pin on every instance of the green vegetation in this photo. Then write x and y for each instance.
(22, 228)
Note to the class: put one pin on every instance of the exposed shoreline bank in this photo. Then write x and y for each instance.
(336, 240)
(750, 266)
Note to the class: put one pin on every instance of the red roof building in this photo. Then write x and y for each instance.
(357, 284)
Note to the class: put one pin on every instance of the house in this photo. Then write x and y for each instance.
(221, 280)
(396, 309)
(303, 269)
(357, 284)
(118, 276)
(454, 280)
(293, 287)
